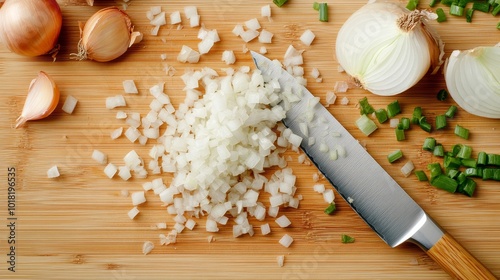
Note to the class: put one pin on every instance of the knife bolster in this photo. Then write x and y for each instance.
(427, 235)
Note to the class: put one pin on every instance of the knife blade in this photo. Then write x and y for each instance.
(370, 191)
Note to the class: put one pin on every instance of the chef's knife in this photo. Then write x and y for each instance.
(366, 186)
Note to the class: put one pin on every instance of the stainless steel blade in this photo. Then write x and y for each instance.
(358, 178)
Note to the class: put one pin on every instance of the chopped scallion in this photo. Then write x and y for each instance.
(400, 133)
(279, 3)
(494, 159)
(481, 6)
(465, 152)
(469, 162)
(366, 108)
(450, 113)
(461, 132)
(456, 10)
(442, 95)
(445, 183)
(429, 144)
(469, 14)
(393, 109)
(440, 122)
(438, 150)
(381, 115)
(366, 125)
(453, 173)
(344, 238)
(412, 5)
(330, 209)
(441, 15)
(435, 169)
(482, 158)
(417, 114)
(393, 156)
(451, 162)
(447, 2)
(316, 6)
(421, 176)
(405, 123)
(473, 172)
(496, 10)
(455, 149)
(468, 187)
(323, 12)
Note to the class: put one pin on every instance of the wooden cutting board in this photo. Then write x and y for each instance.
(76, 226)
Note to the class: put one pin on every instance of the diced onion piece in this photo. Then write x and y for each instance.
(147, 247)
(281, 260)
(228, 57)
(319, 188)
(190, 11)
(328, 196)
(132, 134)
(249, 35)
(344, 101)
(265, 11)
(155, 30)
(283, 221)
(116, 133)
(175, 17)
(133, 212)
(124, 173)
(407, 168)
(265, 37)
(100, 157)
(110, 170)
(130, 87)
(315, 73)
(53, 172)
(263, 50)
(238, 30)
(252, 24)
(69, 104)
(190, 224)
(330, 97)
(393, 123)
(341, 86)
(159, 19)
(188, 55)
(155, 10)
(194, 21)
(307, 37)
(205, 45)
(115, 101)
(211, 226)
(120, 115)
(286, 240)
(138, 198)
(292, 57)
(265, 229)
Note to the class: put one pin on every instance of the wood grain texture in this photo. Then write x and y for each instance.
(457, 261)
(76, 226)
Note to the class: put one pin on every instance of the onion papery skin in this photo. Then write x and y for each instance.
(382, 57)
(30, 27)
(473, 80)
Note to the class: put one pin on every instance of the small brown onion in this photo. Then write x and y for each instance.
(30, 27)
(106, 35)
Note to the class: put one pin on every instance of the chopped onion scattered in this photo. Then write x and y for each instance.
(133, 213)
(69, 104)
(53, 172)
(407, 168)
(130, 87)
(110, 170)
(283, 221)
(265, 11)
(115, 101)
(307, 37)
(175, 17)
(281, 260)
(286, 240)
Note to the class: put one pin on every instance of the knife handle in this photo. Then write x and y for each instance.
(457, 261)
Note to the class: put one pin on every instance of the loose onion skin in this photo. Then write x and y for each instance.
(30, 27)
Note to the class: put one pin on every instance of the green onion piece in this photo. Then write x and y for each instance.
(447, 2)
(468, 15)
(461, 178)
(465, 152)
(438, 151)
(393, 109)
(463, 3)
(453, 173)
(429, 144)
(496, 10)
(433, 3)
(405, 123)
(426, 126)
(450, 113)
(435, 169)
(393, 156)
(366, 108)
(279, 3)
(440, 122)
(482, 158)
(400, 133)
(496, 175)
(366, 125)
(445, 183)
(491, 2)
(381, 115)
(481, 6)
(494, 159)
(330, 209)
(441, 14)
(442, 95)
(421, 176)
(452, 162)
(412, 5)
(344, 238)
(469, 162)
(498, 25)
(316, 6)
(417, 114)
(489, 173)
(461, 132)
(473, 172)
(456, 10)
(455, 149)
(468, 187)
(323, 12)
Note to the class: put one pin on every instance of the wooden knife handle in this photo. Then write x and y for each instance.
(457, 261)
